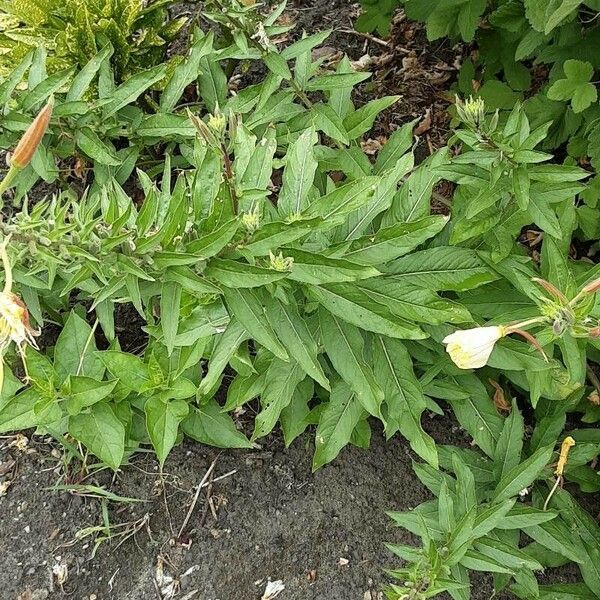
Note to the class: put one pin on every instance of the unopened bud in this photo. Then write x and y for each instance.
(31, 139)
(251, 220)
(217, 122)
(471, 111)
(279, 263)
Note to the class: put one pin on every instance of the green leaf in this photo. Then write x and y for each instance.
(344, 345)
(404, 397)
(281, 381)
(85, 391)
(95, 148)
(295, 335)
(248, 309)
(212, 83)
(83, 79)
(343, 200)
(336, 81)
(17, 412)
(170, 300)
(117, 363)
(208, 425)
(271, 236)
(523, 475)
(130, 91)
(476, 561)
(16, 76)
(525, 516)
(75, 351)
(443, 268)
(318, 269)
(236, 274)
(360, 121)
(329, 122)
(226, 344)
(186, 71)
(298, 175)
(510, 444)
(350, 303)
(558, 537)
(101, 432)
(505, 554)
(338, 420)
(392, 242)
(576, 85)
(162, 420)
(293, 417)
(411, 303)
(212, 243)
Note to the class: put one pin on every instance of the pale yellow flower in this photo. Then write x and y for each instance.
(471, 348)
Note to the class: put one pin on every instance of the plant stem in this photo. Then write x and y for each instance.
(8, 180)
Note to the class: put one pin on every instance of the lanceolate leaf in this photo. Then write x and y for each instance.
(523, 475)
(443, 268)
(404, 398)
(318, 269)
(344, 345)
(341, 415)
(508, 450)
(298, 175)
(395, 241)
(348, 302)
(247, 308)
(296, 337)
(281, 381)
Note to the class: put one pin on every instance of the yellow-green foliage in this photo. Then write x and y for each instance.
(73, 31)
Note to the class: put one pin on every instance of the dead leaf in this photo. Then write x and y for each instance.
(425, 124)
(4, 487)
(500, 402)
(273, 589)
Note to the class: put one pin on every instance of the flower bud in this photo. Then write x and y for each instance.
(471, 111)
(31, 139)
(279, 263)
(251, 220)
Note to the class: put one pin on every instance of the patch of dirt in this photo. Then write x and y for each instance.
(321, 534)
(268, 517)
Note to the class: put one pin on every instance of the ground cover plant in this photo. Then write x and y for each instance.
(275, 264)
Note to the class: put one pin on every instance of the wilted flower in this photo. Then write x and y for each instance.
(31, 139)
(14, 316)
(592, 287)
(14, 321)
(471, 348)
(27, 145)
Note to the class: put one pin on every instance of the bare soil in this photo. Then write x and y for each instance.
(321, 534)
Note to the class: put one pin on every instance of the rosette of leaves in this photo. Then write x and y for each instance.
(73, 31)
(282, 288)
